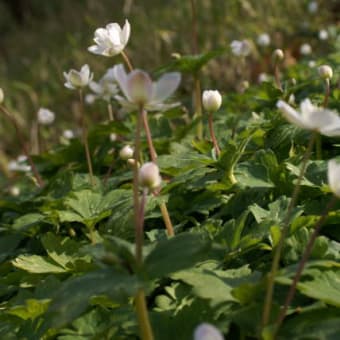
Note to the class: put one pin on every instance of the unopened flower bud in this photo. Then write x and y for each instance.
(126, 152)
(206, 331)
(325, 72)
(149, 176)
(211, 100)
(278, 55)
(132, 162)
(2, 96)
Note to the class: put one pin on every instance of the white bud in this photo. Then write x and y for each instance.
(325, 72)
(113, 137)
(305, 49)
(211, 100)
(278, 55)
(68, 134)
(206, 331)
(126, 152)
(2, 96)
(149, 176)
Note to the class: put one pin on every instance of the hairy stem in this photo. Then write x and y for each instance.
(212, 135)
(143, 317)
(327, 93)
(127, 61)
(85, 137)
(303, 261)
(110, 112)
(285, 228)
(198, 106)
(25, 150)
(277, 75)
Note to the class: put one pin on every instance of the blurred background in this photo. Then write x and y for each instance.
(40, 39)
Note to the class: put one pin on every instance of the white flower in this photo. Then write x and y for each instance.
(113, 137)
(139, 90)
(311, 117)
(106, 88)
(126, 152)
(263, 39)
(278, 54)
(18, 165)
(325, 72)
(240, 48)
(323, 35)
(68, 134)
(334, 177)
(263, 77)
(206, 331)
(211, 100)
(22, 158)
(311, 63)
(148, 176)
(14, 191)
(313, 6)
(111, 40)
(305, 49)
(78, 79)
(2, 96)
(45, 116)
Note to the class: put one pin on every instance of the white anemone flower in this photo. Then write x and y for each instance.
(140, 91)
(334, 177)
(263, 39)
(240, 48)
(206, 331)
(311, 117)
(78, 79)
(45, 116)
(106, 88)
(111, 40)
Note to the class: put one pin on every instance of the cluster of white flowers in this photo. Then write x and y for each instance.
(19, 165)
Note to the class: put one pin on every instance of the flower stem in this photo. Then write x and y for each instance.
(25, 150)
(85, 137)
(302, 263)
(110, 111)
(153, 155)
(198, 106)
(127, 61)
(143, 317)
(139, 235)
(277, 75)
(278, 250)
(327, 93)
(212, 135)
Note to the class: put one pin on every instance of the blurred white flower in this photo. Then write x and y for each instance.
(291, 99)
(240, 48)
(139, 90)
(312, 63)
(311, 117)
(278, 55)
(78, 79)
(263, 39)
(206, 331)
(126, 152)
(45, 116)
(323, 35)
(14, 191)
(305, 49)
(211, 100)
(111, 40)
(22, 158)
(106, 88)
(2, 96)
(68, 134)
(334, 177)
(263, 77)
(148, 176)
(19, 164)
(113, 137)
(313, 6)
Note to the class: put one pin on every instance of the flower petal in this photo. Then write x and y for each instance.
(121, 78)
(125, 33)
(165, 86)
(291, 115)
(334, 176)
(139, 87)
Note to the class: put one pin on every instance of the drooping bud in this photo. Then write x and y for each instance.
(149, 176)
(126, 152)
(325, 72)
(211, 100)
(206, 331)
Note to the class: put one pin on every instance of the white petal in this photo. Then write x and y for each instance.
(121, 77)
(334, 176)
(96, 49)
(69, 86)
(322, 119)
(139, 87)
(291, 115)
(125, 33)
(165, 86)
(114, 34)
(331, 131)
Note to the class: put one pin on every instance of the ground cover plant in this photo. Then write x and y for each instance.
(181, 210)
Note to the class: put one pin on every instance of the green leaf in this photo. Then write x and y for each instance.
(31, 310)
(37, 264)
(175, 254)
